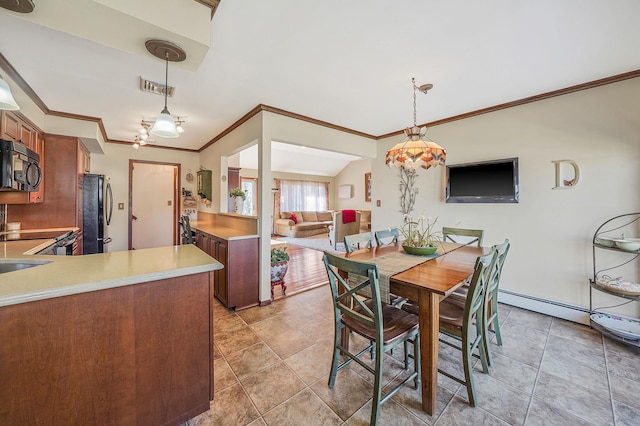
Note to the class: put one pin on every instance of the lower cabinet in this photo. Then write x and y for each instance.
(237, 285)
(132, 355)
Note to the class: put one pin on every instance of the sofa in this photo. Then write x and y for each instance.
(307, 224)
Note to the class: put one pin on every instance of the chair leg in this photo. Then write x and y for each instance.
(496, 328)
(416, 361)
(468, 371)
(377, 387)
(336, 356)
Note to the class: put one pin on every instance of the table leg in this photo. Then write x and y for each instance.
(429, 313)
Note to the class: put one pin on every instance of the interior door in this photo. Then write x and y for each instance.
(153, 204)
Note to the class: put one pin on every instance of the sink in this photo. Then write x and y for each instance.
(10, 265)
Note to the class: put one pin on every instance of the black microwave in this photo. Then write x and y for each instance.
(20, 167)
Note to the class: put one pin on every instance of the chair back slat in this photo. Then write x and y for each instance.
(358, 241)
(346, 299)
(383, 235)
(501, 255)
(481, 276)
(463, 236)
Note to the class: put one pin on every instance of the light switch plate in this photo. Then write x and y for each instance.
(120, 206)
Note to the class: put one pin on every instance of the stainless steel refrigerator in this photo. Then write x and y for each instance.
(97, 207)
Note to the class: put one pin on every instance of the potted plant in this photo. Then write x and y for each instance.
(279, 265)
(238, 196)
(419, 235)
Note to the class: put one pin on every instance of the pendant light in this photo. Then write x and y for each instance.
(165, 125)
(6, 98)
(416, 150)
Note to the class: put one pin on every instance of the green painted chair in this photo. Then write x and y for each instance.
(491, 322)
(383, 325)
(463, 236)
(358, 241)
(458, 321)
(387, 236)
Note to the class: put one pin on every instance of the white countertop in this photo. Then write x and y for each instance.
(66, 275)
(221, 231)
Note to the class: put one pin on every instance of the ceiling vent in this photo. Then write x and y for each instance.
(22, 6)
(154, 87)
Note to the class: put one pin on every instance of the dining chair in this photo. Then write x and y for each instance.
(388, 237)
(358, 241)
(491, 322)
(383, 236)
(458, 321)
(463, 236)
(490, 316)
(383, 325)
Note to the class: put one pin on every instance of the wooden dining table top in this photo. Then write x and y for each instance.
(441, 275)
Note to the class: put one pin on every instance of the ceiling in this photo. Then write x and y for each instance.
(346, 63)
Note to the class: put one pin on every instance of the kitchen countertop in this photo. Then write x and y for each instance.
(221, 231)
(67, 275)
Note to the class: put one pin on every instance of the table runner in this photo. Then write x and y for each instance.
(389, 265)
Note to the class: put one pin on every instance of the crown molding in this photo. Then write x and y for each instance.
(15, 76)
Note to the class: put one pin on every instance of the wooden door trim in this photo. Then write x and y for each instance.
(176, 196)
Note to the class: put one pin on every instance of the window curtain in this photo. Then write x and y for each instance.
(298, 195)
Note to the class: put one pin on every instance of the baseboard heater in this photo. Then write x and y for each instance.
(565, 311)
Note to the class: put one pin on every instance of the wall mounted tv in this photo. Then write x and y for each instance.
(494, 181)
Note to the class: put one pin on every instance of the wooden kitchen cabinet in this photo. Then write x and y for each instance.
(62, 205)
(15, 127)
(132, 355)
(237, 285)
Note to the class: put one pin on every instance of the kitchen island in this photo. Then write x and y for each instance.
(114, 338)
(234, 241)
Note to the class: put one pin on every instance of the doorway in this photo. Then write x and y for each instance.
(154, 205)
(250, 188)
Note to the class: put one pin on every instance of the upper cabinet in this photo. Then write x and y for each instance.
(15, 127)
(62, 206)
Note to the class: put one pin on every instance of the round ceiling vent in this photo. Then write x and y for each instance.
(22, 6)
(165, 50)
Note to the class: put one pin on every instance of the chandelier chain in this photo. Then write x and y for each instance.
(413, 83)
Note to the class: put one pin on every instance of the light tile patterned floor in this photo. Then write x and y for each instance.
(272, 365)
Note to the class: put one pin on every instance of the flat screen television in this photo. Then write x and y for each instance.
(494, 181)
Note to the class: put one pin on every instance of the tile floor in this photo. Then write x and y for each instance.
(272, 365)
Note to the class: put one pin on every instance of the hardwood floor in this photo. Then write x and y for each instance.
(306, 271)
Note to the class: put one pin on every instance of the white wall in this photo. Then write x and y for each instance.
(550, 230)
(262, 129)
(115, 163)
(353, 174)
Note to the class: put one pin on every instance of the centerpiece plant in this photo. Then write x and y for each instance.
(420, 236)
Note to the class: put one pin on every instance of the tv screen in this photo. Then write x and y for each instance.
(493, 181)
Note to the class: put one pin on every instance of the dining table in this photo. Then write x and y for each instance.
(428, 282)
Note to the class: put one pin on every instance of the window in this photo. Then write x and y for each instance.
(298, 195)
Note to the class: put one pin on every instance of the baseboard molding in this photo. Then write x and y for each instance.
(565, 311)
